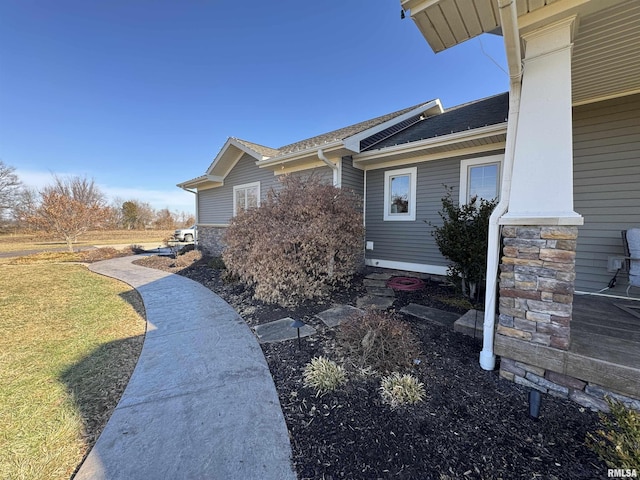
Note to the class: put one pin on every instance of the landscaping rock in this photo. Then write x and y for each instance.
(336, 315)
(431, 314)
(281, 330)
(380, 292)
(374, 302)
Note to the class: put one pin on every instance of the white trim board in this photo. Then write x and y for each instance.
(407, 267)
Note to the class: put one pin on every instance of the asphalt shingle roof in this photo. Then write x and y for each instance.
(481, 113)
(261, 149)
(342, 133)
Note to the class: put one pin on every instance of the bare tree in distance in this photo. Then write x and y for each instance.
(68, 208)
(137, 215)
(10, 186)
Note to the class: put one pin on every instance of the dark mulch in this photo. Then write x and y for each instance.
(472, 425)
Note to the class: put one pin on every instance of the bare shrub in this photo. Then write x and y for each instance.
(379, 340)
(300, 243)
(188, 258)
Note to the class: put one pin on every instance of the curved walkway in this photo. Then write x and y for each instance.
(201, 403)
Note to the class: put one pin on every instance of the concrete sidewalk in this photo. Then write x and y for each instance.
(201, 403)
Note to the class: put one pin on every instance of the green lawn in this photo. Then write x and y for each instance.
(68, 344)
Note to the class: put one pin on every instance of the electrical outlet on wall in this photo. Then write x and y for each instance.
(615, 263)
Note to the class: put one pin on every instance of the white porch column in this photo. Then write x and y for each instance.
(542, 182)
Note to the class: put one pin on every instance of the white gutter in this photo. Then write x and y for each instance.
(299, 154)
(337, 175)
(510, 31)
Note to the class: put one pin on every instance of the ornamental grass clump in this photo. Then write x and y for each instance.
(324, 375)
(378, 340)
(617, 443)
(305, 239)
(398, 389)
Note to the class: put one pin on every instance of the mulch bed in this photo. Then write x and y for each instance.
(472, 425)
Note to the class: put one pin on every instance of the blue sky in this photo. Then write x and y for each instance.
(141, 95)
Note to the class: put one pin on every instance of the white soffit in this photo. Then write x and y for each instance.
(606, 54)
(445, 23)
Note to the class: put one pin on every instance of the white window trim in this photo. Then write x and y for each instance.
(411, 214)
(244, 186)
(474, 162)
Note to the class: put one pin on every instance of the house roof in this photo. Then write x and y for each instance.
(342, 133)
(480, 113)
(261, 149)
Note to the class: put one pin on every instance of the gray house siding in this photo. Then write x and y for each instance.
(352, 178)
(215, 205)
(606, 185)
(409, 241)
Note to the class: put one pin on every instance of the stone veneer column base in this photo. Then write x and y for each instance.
(210, 240)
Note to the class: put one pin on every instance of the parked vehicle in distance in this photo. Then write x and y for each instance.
(185, 234)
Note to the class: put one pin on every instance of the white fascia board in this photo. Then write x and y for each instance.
(223, 151)
(434, 107)
(313, 151)
(444, 140)
(416, 6)
(200, 181)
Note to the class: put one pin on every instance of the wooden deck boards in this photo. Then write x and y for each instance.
(601, 329)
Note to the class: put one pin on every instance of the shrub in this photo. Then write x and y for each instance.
(217, 263)
(463, 239)
(397, 389)
(378, 340)
(303, 240)
(188, 258)
(617, 443)
(324, 375)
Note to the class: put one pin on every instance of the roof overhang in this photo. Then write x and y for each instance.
(469, 142)
(334, 151)
(434, 107)
(202, 183)
(606, 46)
(305, 159)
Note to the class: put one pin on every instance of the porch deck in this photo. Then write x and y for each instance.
(604, 348)
(606, 329)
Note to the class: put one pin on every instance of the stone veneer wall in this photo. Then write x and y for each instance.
(210, 240)
(537, 275)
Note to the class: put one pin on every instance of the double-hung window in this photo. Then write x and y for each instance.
(400, 194)
(245, 197)
(480, 178)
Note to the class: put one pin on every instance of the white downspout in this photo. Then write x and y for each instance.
(509, 22)
(337, 175)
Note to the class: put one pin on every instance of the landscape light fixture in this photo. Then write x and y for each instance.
(298, 324)
(534, 403)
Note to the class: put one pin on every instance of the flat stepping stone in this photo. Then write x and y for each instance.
(336, 315)
(379, 276)
(281, 330)
(380, 303)
(380, 292)
(471, 324)
(367, 282)
(431, 314)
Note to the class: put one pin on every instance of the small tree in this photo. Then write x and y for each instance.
(463, 238)
(10, 186)
(69, 208)
(300, 242)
